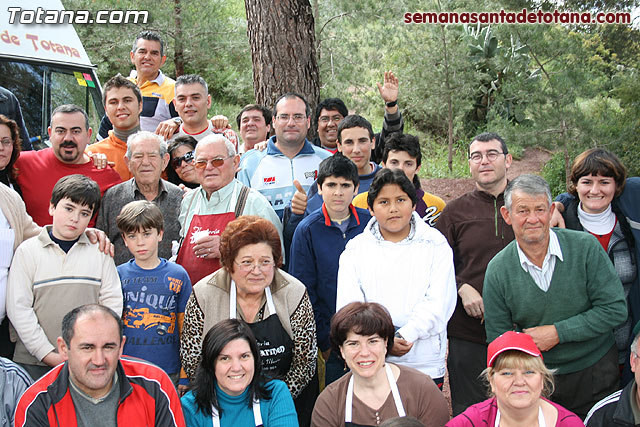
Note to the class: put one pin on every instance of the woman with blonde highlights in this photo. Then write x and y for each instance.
(520, 385)
(10, 147)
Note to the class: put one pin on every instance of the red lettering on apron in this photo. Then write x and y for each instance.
(213, 225)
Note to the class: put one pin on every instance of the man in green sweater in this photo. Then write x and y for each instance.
(560, 287)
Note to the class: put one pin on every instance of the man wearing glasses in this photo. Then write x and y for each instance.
(146, 158)
(289, 155)
(476, 232)
(329, 113)
(206, 210)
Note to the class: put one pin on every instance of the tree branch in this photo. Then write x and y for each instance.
(331, 19)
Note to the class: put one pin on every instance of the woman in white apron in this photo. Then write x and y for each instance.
(250, 286)
(519, 380)
(229, 388)
(374, 390)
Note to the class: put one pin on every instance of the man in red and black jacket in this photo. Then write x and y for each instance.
(97, 386)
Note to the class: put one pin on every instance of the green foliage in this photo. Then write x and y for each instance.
(537, 85)
(499, 63)
(215, 43)
(553, 172)
(435, 158)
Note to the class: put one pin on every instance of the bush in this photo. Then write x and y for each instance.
(554, 173)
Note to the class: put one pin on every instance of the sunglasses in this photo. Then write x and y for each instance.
(216, 163)
(177, 161)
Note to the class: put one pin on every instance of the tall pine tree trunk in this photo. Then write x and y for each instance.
(282, 38)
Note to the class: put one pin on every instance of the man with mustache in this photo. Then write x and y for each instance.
(69, 135)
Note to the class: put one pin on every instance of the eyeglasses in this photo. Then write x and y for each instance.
(6, 142)
(248, 266)
(492, 155)
(297, 118)
(327, 119)
(216, 163)
(187, 158)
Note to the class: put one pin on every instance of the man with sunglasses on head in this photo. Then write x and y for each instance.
(289, 155)
(146, 158)
(476, 231)
(207, 209)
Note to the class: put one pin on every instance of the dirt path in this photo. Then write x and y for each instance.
(532, 161)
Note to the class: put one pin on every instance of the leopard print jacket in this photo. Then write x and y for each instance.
(305, 350)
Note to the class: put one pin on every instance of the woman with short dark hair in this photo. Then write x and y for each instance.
(597, 179)
(374, 390)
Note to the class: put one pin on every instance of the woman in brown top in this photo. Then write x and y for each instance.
(374, 391)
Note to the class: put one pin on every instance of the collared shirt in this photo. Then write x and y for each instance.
(157, 95)
(374, 227)
(223, 201)
(542, 276)
(168, 200)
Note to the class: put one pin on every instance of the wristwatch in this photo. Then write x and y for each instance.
(392, 103)
(177, 120)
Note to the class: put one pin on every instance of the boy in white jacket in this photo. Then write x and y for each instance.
(407, 266)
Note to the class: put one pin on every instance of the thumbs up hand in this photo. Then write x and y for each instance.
(299, 200)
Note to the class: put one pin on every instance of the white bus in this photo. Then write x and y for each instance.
(45, 65)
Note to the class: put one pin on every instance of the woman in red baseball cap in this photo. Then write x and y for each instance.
(519, 386)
